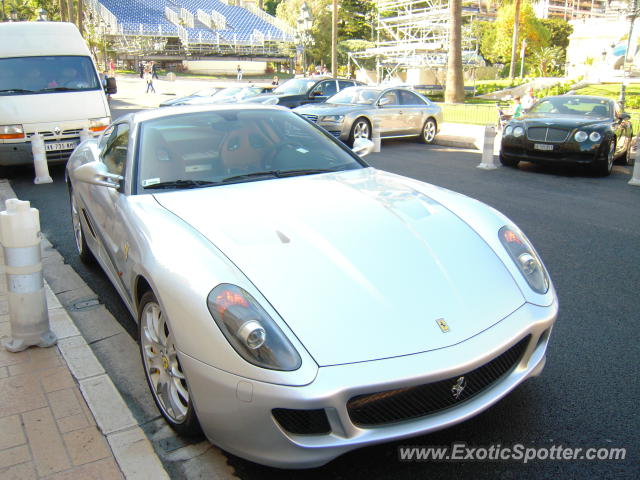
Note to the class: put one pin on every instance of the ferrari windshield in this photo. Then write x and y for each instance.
(566, 105)
(356, 96)
(230, 146)
(295, 86)
(33, 75)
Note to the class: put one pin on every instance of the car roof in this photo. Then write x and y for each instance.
(145, 115)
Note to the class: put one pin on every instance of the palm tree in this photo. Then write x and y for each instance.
(454, 89)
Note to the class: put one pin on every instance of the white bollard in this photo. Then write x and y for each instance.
(635, 177)
(85, 135)
(40, 160)
(28, 314)
(488, 158)
(375, 135)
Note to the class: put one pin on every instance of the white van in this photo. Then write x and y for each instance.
(50, 85)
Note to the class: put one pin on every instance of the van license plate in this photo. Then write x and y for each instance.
(54, 147)
(542, 146)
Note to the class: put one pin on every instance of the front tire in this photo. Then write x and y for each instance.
(84, 253)
(604, 162)
(360, 129)
(162, 368)
(508, 162)
(429, 130)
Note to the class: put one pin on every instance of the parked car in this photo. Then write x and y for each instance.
(351, 113)
(294, 302)
(192, 99)
(569, 129)
(300, 91)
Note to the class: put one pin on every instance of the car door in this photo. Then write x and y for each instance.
(323, 90)
(389, 111)
(413, 112)
(105, 214)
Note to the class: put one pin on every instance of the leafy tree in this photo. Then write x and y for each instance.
(496, 46)
(546, 60)
(270, 6)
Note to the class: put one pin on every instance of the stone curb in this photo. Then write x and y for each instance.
(131, 448)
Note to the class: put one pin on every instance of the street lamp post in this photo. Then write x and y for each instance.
(633, 14)
(304, 23)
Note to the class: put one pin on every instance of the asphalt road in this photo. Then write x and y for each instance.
(587, 230)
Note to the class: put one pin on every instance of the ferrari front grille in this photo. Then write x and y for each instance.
(409, 403)
(547, 134)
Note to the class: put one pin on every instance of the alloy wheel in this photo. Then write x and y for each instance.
(361, 130)
(429, 131)
(162, 367)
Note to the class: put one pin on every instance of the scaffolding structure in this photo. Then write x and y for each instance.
(415, 34)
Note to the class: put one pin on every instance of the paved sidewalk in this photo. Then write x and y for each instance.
(60, 414)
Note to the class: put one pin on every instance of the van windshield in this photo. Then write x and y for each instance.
(29, 75)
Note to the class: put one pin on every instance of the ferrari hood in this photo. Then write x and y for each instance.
(358, 264)
(329, 109)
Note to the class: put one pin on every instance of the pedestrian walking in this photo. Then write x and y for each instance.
(239, 74)
(154, 70)
(276, 81)
(148, 77)
(141, 69)
(112, 68)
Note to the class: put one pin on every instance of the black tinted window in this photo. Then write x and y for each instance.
(327, 88)
(345, 84)
(409, 98)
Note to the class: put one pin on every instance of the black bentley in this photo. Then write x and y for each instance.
(576, 129)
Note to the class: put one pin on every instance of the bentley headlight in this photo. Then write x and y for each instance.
(518, 132)
(508, 131)
(581, 136)
(595, 137)
(250, 330)
(332, 118)
(525, 258)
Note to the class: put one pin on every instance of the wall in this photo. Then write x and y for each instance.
(229, 67)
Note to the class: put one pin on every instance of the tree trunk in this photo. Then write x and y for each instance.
(454, 89)
(70, 11)
(63, 10)
(80, 16)
(514, 40)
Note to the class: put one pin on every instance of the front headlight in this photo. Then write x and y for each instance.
(332, 118)
(518, 132)
(99, 124)
(250, 330)
(525, 258)
(10, 132)
(581, 136)
(595, 137)
(508, 131)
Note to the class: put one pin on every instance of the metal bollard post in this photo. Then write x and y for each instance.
(488, 158)
(28, 314)
(635, 177)
(40, 160)
(375, 135)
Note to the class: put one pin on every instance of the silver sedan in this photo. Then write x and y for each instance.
(293, 302)
(352, 113)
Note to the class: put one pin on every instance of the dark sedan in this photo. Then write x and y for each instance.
(569, 129)
(300, 91)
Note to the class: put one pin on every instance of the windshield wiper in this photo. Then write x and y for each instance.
(58, 89)
(182, 184)
(16, 90)
(277, 174)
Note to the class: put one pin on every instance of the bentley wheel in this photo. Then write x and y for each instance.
(428, 134)
(508, 162)
(360, 129)
(162, 368)
(604, 164)
(84, 253)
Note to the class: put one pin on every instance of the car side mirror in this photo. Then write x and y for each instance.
(384, 101)
(316, 93)
(96, 173)
(624, 116)
(362, 146)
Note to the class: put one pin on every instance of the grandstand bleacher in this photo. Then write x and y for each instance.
(194, 22)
